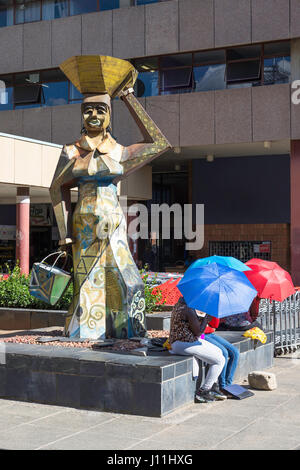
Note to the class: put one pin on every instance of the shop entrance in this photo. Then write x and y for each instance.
(159, 253)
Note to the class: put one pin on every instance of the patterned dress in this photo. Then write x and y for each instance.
(108, 299)
(180, 329)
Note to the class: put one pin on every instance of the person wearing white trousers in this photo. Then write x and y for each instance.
(187, 326)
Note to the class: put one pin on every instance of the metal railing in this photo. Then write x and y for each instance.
(283, 318)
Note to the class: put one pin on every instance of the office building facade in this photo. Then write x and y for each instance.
(218, 78)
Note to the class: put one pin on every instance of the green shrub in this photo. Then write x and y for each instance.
(14, 293)
(152, 299)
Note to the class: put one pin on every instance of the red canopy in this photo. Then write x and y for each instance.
(169, 291)
(269, 279)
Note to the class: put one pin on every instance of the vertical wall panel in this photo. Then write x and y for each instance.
(37, 45)
(197, 119)
(232, 22)
(295, 18)
(129, 32)
(271, 112)
(66, 123)
(66, 38)
(270, 20)
(196, 25)
(37, 123)
(11, 122)
(164, 110)
(124, 128)
(233, 116)
(11, 49)
(97, 33)
(162, 28)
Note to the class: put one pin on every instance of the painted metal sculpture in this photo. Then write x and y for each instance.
(108, 299)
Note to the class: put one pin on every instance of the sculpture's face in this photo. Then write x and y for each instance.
(96, 116)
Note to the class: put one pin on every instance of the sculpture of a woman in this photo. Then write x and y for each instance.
(108, 299)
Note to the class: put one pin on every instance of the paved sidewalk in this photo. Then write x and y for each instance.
(269, 420)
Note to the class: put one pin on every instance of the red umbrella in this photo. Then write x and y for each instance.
(269, 279)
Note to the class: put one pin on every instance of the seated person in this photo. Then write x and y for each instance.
(243, 321)
(185, 338)
(229, 351)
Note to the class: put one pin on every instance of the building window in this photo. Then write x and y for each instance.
(28, 96)
(74, 94)
(109, 4)
(145, 2)
(27, 11)
(147, 81)
(170, 74)
(277, 63)
(243, 250)
(6, 13)
(243, 64)
(6, 92)
(78, 7)
(277, 70)
(52, 9)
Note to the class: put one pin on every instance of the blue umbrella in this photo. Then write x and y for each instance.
(217, 290)
(229, 261)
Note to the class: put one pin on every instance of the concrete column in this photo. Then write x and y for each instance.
(23, 228)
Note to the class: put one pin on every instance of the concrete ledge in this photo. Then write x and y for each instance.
(158, 321)
(27, 319)
(82, 378)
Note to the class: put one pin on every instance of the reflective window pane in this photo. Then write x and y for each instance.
(177, 60)
(209, 77)
(54, 9)
(147, 64)
(27, 78)
(6, 16)
(28, 12)
(52, 75)
(207, 57)
(243, 71)
(74, 94)
(79, 7)
(146, 84)
(245, 52)
(145, 2)
(277, 48)
(28, 96)
(55, 93)
(6, 93)
(277, 70)
(109, 4)
(176, 80)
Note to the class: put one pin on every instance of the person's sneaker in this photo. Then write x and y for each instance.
(217, 392)
(204, 396)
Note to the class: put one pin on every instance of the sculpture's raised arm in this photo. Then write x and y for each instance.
(60, 192)
(155, 143)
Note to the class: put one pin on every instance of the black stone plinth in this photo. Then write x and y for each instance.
(82, 378)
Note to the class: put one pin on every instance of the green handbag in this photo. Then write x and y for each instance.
(48, 282)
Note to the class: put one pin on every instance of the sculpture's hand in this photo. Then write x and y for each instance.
(65, 245)
(125, 92)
